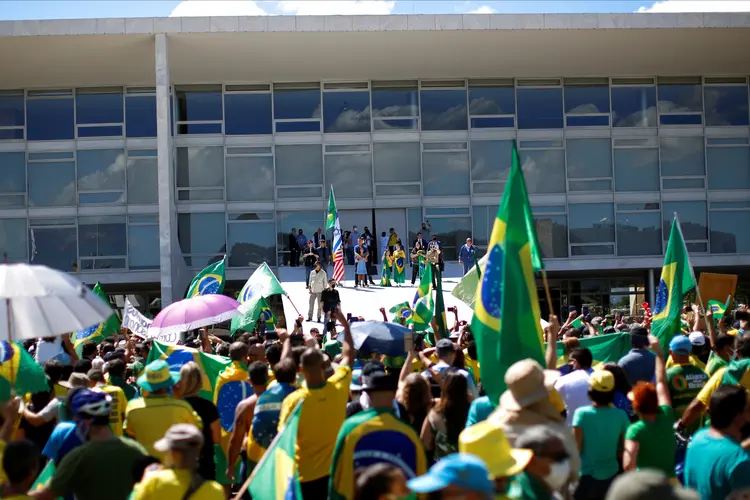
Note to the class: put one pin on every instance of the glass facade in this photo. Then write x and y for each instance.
(605, 160)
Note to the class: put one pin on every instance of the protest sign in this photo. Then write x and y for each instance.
(134, 321)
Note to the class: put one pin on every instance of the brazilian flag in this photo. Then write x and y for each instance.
(677, 279)
(400, 312)
(98, 332)
(209, 281)
(423, 306)
(718, 309)
(506, 313)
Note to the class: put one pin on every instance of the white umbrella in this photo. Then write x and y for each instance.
(42, 302)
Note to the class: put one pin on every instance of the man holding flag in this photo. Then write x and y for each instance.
(332, 223)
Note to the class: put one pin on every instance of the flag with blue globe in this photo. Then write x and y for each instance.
(209, 281)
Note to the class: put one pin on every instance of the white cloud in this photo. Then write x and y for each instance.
(193, 8)
(484, 9)
(698, 6)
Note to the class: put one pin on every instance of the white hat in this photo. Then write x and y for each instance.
(697, 338)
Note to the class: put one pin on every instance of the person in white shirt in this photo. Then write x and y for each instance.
(318, 282)
(573, 387)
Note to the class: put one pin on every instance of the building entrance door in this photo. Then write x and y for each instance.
(395, 218)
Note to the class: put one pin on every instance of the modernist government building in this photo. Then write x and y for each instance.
(136, 151)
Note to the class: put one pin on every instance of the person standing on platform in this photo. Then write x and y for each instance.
(399, 265)
(360, 245)
(361, 269)
(311, 258)
(418, 260)
(293, 249)
(324, 255)
(317, 283)
(385, 274)
(467, 255)
(318, 237)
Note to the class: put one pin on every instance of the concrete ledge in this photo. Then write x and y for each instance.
(422, 22)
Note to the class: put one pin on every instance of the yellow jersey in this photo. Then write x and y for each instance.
(119, 405)
(323, 412)
(715, 381)
(171, 484)
(147, 419)
(693, 361)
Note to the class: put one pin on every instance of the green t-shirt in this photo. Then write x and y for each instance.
(603, 428)
(715, 363)
(716, 466)
(656, 441)
(527, 487)
(684, 382)
(332, 347)
(98, 469)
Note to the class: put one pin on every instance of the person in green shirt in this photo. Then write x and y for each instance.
(116, 371)
(722, 353)
(684, 380)
(650, 442)
(548, 471)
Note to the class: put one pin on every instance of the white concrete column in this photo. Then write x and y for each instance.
(168, 258)
(651, 289)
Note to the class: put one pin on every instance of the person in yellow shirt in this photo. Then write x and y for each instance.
(147, 419)
(181, 446)
(21, 466)
(119, 400)
(323, 411)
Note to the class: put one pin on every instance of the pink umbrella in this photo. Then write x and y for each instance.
(195, 312)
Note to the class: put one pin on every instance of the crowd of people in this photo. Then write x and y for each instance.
(119, 424)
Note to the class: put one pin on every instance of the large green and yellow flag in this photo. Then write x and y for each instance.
(440, 319)
(423, 306)
(677, 279)
(98, 332)
(718, 309)
(506, 312)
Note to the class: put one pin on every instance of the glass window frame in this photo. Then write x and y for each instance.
(540, 84)
(435, 147)
(101, 257)
(132, 221)
(310, 186)
(52, 95)
(270, 219)
(280, 88)
(585, 180)
(715, 207)
(346, 88)
(729, 82)
(443, 86)
(613, 243)
(364, 150)
(16, 194)
(437, 213)
(182, 189)
(136, 155)
(68, 157)
(634, 83)
(254, 89)
(713, 143)
(544, 145)
(667, 221)
(395, 85)
(583, 83)
(180, 125)
(506, 120)
(101, 125)
(131, 94)
(675, 81)
(250, 152)
(207, 256)
(15, 94)
(663, 177)
(551, 210)
(37, 223)
(645, 210)
(123, 191)
(405, 184)
(639, 143)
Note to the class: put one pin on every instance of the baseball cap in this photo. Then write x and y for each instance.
(356, 383)
(180, 437)
(648, 485)
(458, 469)
(602, 381)
(444, 346)
(697, 338)
(680, 344)
(380, 381)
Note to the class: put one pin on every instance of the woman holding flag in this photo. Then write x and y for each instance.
(385, 273)
(399, 265)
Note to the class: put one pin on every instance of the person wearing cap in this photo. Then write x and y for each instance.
(375, 435)
(684, 379)
(488, 442)
(147, 418)
(548, 472)
(716, 463)
(648, 485)
(528, 401)
(573, 387)
(639, 362)
(599, 430)
(736, 373)
(698, 344)
(459, 475)
(116, 372)
(181, 446)
(650, 442)
(362, 402)
(100, 467)
(119, 401)
(446, 352)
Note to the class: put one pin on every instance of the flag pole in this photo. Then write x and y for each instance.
(547, 292)
(701, 307)
(10, 337)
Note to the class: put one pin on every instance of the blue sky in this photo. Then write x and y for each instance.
(62, 9)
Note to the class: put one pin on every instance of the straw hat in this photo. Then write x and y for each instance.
(488, 442)
(527, 384)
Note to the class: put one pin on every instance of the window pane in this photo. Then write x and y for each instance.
(638, 234)
(729, 231)
(397, 162)
(636, 170)
(726, 106)
(12, 174)
(99, 108)
(452, 233)
(299, 164)
(728, 168)
(249, 178)
(202, 233)
(490, 160)
(13, 239)
(634, 106)
(395, 102)
(481, 226)
(446, 174)
(492, 101)
(582, 100)
(591, 222)
(444, 110)
(346, 112)
(49, 119)
(11, 110)
(52, 184)
(539, 108)
(140, 116)
(682, 156)
(350, 175)
(589, 158)
(142, 180)
(55, 247)
(680, 98)
(143, 247)
(693, 219)
(309, 222)
(288, 193)
(397, 190)
(291, 104)
(198, 105)
(552, 234)
(101, 236)
(247, 114)
(544, 171)
(101, 169)
(592, 250)
(200, 166)
(251, 244)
